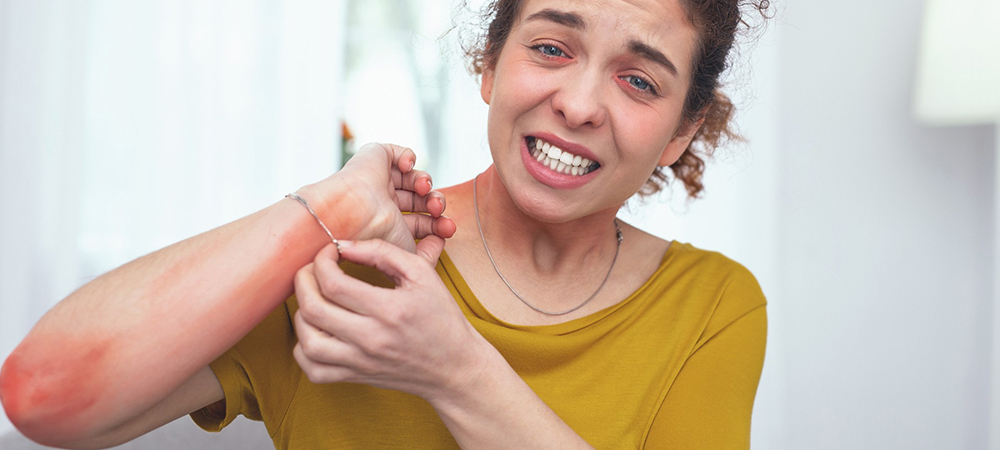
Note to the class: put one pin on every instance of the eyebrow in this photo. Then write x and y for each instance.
(652, 54)
(572, 20)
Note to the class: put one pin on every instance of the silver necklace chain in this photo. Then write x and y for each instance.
(618, 234)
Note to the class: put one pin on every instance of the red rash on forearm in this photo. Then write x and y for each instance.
(52, 382)
(122, 342)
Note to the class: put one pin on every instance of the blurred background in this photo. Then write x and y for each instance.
(126, 126)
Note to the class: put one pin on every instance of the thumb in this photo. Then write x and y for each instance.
(430, 248)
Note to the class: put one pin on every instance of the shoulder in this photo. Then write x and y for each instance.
(690, 275)
(691, 264)
(710, 284)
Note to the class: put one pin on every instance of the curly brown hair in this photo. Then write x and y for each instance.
(717, 22)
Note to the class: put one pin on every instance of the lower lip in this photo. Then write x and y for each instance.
(549, 177)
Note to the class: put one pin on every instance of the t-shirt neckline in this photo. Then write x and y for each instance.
(472, 302)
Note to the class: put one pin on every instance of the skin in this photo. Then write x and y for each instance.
(575, 84)
(587, 95)
(582, 90)
(51, 384)
(90, 374)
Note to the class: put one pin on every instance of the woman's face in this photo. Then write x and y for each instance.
(603, 81)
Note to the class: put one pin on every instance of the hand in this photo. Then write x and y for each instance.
(373, 190)
(412, 338)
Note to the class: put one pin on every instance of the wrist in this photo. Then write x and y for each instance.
(493, 407)
(335, 207)
(483, 370)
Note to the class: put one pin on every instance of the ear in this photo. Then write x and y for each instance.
(486, 85)
(680, 142)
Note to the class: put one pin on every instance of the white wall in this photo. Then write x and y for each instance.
(884, 240)
(125, 126)
(869, 233)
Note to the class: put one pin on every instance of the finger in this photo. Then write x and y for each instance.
(416, 180)
(312, 304)
(397, 156)
(398, 264)
(408, 201)
(317, 372)
(304, 281)
(432, 203)
(444, 227)
(422, 225)
(430, 248)
(320, 346)
(327, 315)
(435, 203)
(328, 252)
(336, 288)
(401, 157)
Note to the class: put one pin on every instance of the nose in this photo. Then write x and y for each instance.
(580, 99)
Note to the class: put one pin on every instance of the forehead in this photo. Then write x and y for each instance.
(661, 24)
(653, 17)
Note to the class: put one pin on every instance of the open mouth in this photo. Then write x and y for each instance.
(559, 160)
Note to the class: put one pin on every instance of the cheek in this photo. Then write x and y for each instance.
(641, 136)
(645, 134)
(518, 88)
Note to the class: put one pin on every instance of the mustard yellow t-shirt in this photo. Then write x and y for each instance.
(675, 365)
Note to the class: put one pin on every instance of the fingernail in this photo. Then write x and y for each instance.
(345, 243)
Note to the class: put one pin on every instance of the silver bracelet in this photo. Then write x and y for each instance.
(301, 200)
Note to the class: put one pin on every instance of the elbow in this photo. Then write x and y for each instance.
(12, 393)
(47, 409)
(25, 408)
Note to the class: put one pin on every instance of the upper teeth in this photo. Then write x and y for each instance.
(560, 160)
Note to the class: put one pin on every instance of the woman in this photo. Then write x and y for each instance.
(648, 343)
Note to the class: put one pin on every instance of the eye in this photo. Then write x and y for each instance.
(550, 50)
(639, 83)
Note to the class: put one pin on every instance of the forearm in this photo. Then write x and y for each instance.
(121, 343)
(497, 410)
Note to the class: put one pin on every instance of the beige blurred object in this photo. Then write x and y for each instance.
(958, 83)
(958, 76)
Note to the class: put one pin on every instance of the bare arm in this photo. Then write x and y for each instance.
(498, 410)
(140, 337)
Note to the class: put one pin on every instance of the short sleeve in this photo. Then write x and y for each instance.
(258, 375)
(711, 401)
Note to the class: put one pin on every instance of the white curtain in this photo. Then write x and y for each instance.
(126, 126)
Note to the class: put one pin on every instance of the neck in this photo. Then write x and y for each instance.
(514, 291)
(553, 246)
